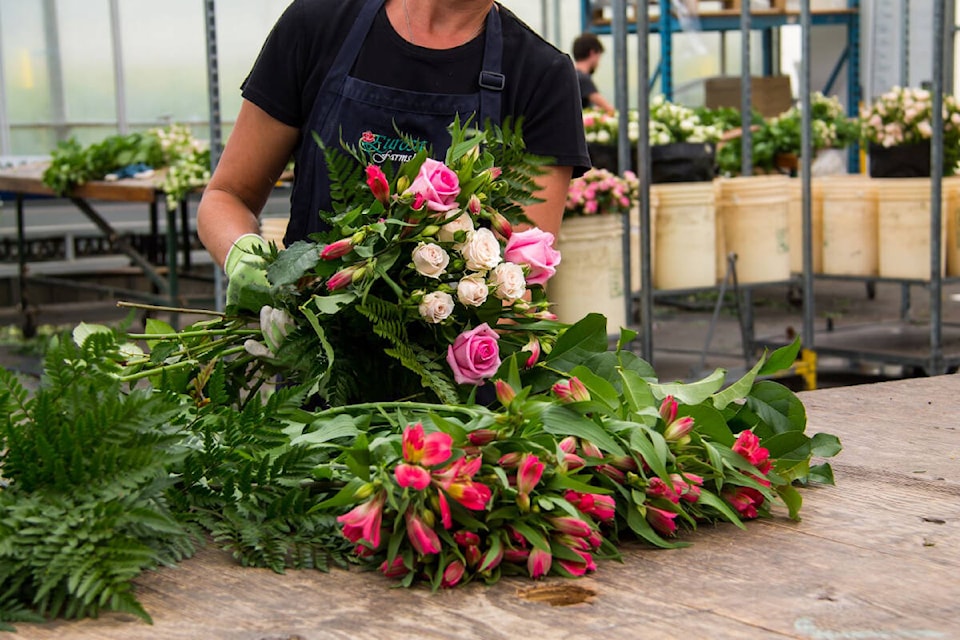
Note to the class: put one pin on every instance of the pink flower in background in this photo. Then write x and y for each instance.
(437, 185)
(538, 563)
(662, 520)
(474, 355)
(362, 523)
(428, 450)
(534, 249)
(529, 473)
(423, 538)
(409, 475)
(377, 182)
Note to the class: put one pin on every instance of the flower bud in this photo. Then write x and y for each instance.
(568, 444)
(678, 429)
(473, 204)
(501, 225)
(403, 183)
(364, 491)
(430, 230)
(668, 409)
(571, 390)
(337, 249)
(341, 278)
(481, 437)
(377, 182)
(505, 393)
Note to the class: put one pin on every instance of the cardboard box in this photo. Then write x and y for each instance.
(770, 95)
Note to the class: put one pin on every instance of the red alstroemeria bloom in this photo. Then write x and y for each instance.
(668, 409)
(593, 504)
(687, 485)
(748, 446)
(446, 518)
(362, 523)
(529, 473)
(452, 574)
(423, 538)
(409, 475)
(571, 526)
(538, 563)
(571, 390)
(662, 520)
(377, 182)
(657, 488)
(427, 450)
(745, 500)
(395, 569)
(337, 249)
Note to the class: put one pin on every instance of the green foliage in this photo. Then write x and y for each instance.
(72, 164)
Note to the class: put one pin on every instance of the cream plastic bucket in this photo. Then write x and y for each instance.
(903, 213)
(849, 225)
(686, 245)
(795, 225)
(589, 278)
(754, 218)
(951, 211)
(636, 235)
(273, 229)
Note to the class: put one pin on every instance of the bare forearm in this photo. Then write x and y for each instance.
(221, 219)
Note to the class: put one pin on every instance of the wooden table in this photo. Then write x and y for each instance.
(875, 557)
(26, 180)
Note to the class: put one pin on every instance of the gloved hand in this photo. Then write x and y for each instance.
(275, 324)
(243, 267)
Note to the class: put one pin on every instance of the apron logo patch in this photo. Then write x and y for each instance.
(382, 148)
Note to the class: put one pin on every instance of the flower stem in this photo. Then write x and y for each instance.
(192, 362)
(193, 334)
(380, 406)
(152, 307)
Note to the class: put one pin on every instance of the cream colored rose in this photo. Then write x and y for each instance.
(455, 220)
(508, 281)
(430, 260)
(481, 250)
(436, 307)
(472, 290)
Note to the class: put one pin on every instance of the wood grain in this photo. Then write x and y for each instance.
(876, 556)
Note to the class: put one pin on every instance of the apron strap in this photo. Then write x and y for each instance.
(492, 80)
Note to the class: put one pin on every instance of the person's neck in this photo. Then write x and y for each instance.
(438, 24)
(584, 66)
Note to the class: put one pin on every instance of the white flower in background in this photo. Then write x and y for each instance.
(508, 281)
(472, 290)
(481, 250)
(430, 260)
(436, 307)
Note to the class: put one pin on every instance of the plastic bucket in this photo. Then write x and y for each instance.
(273, 230)
(795, 225)
(685, 256)
(635, 236)
(903, 212)
(754, 215)
(951, 211)
(589, 278)
(849, 225)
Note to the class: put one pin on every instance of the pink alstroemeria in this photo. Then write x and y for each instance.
(341, 278)
(677, 430)
(474, 205)
(377, 182)
(529, 473)
(661, 520)
(687, 485)
(472, 495)
(748, 446)
(505, 393)
(538, 563)
(612, 472)
(510, 460)
(657, 488)
(429, 450)
(572, 462)
(571, 526)
(423, 538)
(593, 504)
(668, 409)
(516, 556)
(533, 347)
(466, 538)
(745, 500)
(590, 450)
(568, 444)
(571, 390)
(481, 437)
(501, 225)
(446, 518)
(337, 249)
(362, 523)
(578, 569)
(452, 574)
(395, 569)
(409, 475)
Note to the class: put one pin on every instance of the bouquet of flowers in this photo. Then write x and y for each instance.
(392, 318)
(903, 116)
(670, 122)
(600, 191)
(830, 126)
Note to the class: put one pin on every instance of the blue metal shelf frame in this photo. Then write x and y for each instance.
(668, 24)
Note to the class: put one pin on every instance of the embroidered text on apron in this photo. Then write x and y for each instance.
(368, 115)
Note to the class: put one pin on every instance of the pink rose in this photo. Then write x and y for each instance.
(474, 355)
(534, 249)
(436, 185)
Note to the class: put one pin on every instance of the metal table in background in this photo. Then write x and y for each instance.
(26, 180)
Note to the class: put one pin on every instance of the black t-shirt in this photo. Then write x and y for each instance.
(541, 83)
(587, 88)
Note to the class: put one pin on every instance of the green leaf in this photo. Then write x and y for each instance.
(792, 498)
(786, 442)
(346, 495)
(691, 393)
(778, 407)
(781, 359)
(84, 330)
(639, 525)
(588, 336)
(712, 500)
(652, 447)
(493, 554)
(333, 303)
(708, 422)
(639, 397)
(822, 473)
(293, 263)
(563, 422)
(738, 389)
(825, 445)
(328, 430)
(598, 387)
(532, 536)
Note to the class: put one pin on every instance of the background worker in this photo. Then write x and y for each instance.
(587, 50)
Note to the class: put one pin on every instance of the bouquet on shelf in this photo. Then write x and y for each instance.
(600, 191)
(904, 116)
(671, 122)
(375, 450)
(830, 127)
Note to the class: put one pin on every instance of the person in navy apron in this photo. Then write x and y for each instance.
(407, 65)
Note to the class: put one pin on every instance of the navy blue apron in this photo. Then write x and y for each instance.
(368, 116)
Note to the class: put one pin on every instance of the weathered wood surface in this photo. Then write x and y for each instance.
(28, 179)
(876, 556)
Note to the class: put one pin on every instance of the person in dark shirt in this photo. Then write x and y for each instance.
(352, 69)
(587, 50)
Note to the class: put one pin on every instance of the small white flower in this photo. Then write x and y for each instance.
(436, 307)
(430, 260)
(481, 250)
(472, 290)
(454, 220)
(508, 281)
